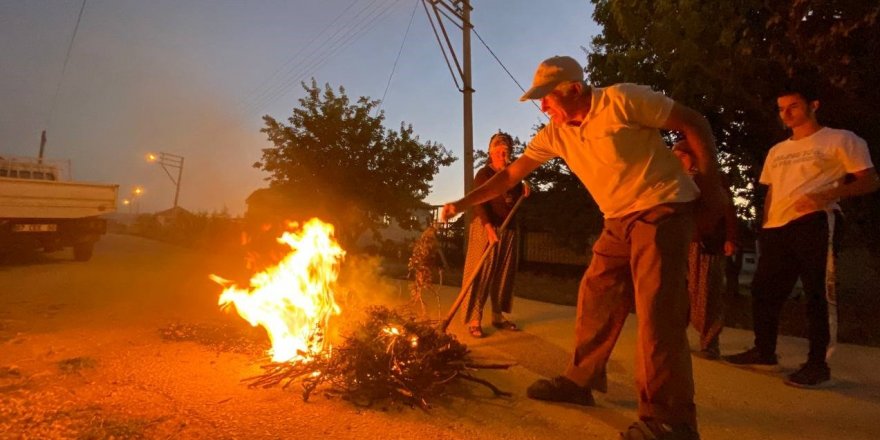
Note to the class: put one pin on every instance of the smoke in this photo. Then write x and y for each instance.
(140, 79)
(179, 115)
(361, 285)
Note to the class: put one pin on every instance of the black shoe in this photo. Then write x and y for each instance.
(753, 358)
(811, 375)
(560, 389)
(654, 430)
(710, 353)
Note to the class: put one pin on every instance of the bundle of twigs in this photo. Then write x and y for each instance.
(387, 358)
(421, 265)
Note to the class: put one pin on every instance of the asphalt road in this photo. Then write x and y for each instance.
(82, 356)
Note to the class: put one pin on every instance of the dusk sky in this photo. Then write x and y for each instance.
(194, 77)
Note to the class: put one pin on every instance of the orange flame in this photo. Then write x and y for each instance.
(293, 300)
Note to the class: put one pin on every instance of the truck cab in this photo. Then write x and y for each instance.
(19, 170)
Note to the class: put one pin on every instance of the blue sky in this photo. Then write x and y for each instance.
(194, 77)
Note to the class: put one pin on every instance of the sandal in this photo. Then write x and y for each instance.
(475, 331)
(505, 325)
(653, 430)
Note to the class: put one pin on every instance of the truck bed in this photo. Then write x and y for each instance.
(22, 198)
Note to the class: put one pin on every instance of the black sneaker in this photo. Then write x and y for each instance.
(560, 389)
(654, 430)
(753, 358)
(810, 375)
(710, 353)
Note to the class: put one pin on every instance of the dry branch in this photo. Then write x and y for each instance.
(421, 265)
(387, 358)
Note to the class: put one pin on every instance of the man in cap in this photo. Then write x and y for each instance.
(610, 138)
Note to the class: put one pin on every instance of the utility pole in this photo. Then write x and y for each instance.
(42, 147)
(458, 12)
(468, 96)
(168, 160)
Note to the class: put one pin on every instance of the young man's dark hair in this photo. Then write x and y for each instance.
(807, 89)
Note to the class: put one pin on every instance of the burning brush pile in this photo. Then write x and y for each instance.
(386, 358)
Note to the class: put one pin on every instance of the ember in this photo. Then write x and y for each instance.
(388, 357)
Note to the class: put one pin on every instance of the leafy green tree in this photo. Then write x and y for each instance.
(335, 159)
(727, 59)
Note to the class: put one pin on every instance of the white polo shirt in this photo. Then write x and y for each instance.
(814, 163)
(617, 151)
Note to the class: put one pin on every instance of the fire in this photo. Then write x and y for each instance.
(293, 300)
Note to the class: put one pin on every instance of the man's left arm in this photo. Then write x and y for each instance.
(863, 182)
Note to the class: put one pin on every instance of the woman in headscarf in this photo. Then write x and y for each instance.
(706, 258)
(495, 279)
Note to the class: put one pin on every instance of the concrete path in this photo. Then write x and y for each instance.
(733, 403)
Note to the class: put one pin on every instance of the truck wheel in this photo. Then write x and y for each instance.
(83, 251)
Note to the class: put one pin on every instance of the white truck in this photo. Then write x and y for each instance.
(39, 209)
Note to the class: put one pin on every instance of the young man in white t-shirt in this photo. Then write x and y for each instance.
(610, 138)
(806, 174)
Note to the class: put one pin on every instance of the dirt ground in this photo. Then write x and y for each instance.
(89, 351)
(132, 345)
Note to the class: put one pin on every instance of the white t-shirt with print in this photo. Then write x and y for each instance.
(814, 163)
(617, 151)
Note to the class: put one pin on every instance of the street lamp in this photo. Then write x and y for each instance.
(136, 193)
(168, 160)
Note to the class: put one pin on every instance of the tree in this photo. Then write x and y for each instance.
(727, 59)
(335, 160)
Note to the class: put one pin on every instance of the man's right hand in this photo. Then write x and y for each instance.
(448, 212)
(491, 235)
(709, 211)
(730, 248)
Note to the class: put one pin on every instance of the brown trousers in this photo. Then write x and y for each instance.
(640, 257)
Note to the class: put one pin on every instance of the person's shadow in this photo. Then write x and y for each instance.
(549, 360)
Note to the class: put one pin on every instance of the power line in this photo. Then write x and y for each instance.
(64, 66)
(505, 69)
(399, 51)
(442, 48)
(293, 58)
(344, 41)
(315, 60)
(317, 57)
(271, 90)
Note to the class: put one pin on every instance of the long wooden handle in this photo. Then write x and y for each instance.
(467, 284)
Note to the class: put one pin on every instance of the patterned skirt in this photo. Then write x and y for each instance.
(705, 286)
(495, 277)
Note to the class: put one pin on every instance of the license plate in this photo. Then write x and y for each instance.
(35, 228)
